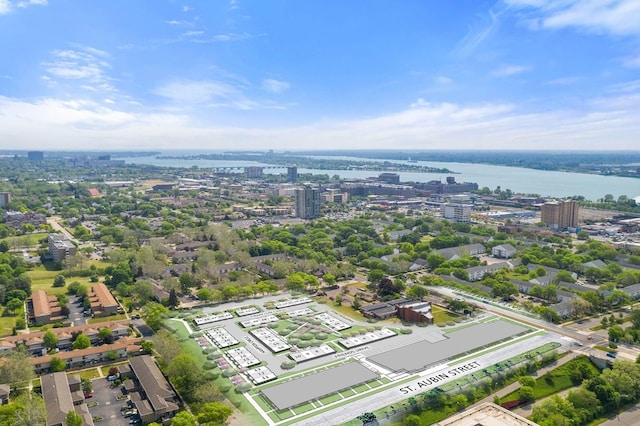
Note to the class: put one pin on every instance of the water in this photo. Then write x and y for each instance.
(517, 179)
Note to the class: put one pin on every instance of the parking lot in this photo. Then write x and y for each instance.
(108, 405)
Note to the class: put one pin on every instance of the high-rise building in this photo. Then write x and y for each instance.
(307, 203)
(5, 199)
(560, 214)
(292, 173)
(253, 172)
(456, 212)
(35, 155)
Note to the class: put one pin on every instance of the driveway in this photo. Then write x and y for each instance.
(75, 311)
(108, 406)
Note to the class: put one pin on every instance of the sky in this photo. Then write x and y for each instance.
(331, 74)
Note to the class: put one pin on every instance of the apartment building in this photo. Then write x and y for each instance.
(560, 214)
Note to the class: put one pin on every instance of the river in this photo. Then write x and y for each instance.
(517, 179)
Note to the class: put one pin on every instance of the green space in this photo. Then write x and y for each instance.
(443, 316)
(24, 241)
(566, 376)
(89, 374)
(8, 322)
(331, 398)
(116, 317)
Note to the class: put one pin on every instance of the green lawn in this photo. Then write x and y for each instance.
(443, 316)
(7, 324)
(89, 374)
(24, 241)
(116, 317)
(559, 379)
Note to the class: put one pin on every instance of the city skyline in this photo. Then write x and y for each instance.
(508, 74)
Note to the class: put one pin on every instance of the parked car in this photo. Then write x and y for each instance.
(112, 378)
(88, 395)
(611, 355)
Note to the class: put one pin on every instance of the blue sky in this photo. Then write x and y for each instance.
(387, 74)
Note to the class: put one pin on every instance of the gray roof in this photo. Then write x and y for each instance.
(154, 384)
(57, 397)
(317, 385)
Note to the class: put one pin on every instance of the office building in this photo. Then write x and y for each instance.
(560, 214)
(456, 212)
(60, 247)
(307, 203)
(35, 155)
(5, 199)
(292, 174)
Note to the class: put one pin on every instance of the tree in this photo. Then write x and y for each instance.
(59, 281)
(56, 364)
(186, 374)
(146, 346)
(31, 410)
(50, 340)
(12, 306)
(184, 418)
(204, 294)
(15, 367)
(375, 275)
(106, 335)
(214, 412)
(73, 419)
(526, 394)
(154, 314)
(81, 342)
(173, 299)
(417, 292)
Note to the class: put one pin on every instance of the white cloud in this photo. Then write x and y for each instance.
(619, 17)
(274, 86)
(85, 64)
(186, 9)
(28, 3)
(5, 7)
(233, 4)
(632, 61)
(509, 70)
(75, 124)
(196, 92)
(442, 80)
(193, 33)
(564, 81)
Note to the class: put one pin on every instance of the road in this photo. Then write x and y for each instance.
(54, 222)
(393, 395)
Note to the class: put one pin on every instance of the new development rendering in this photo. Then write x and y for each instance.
(319, 213)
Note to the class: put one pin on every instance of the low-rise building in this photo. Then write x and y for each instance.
(151, 393)
(43, 308)
(102, 301)
(503, 251)
(61, 395)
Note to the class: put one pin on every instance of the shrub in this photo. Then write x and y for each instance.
(288, 364)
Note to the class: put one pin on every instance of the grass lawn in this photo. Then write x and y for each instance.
(442, 316)
(348, 311)
(24, 241)
(7, 324)
(115, 317)
(105, 369)
(89, 374)
(558, 379)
